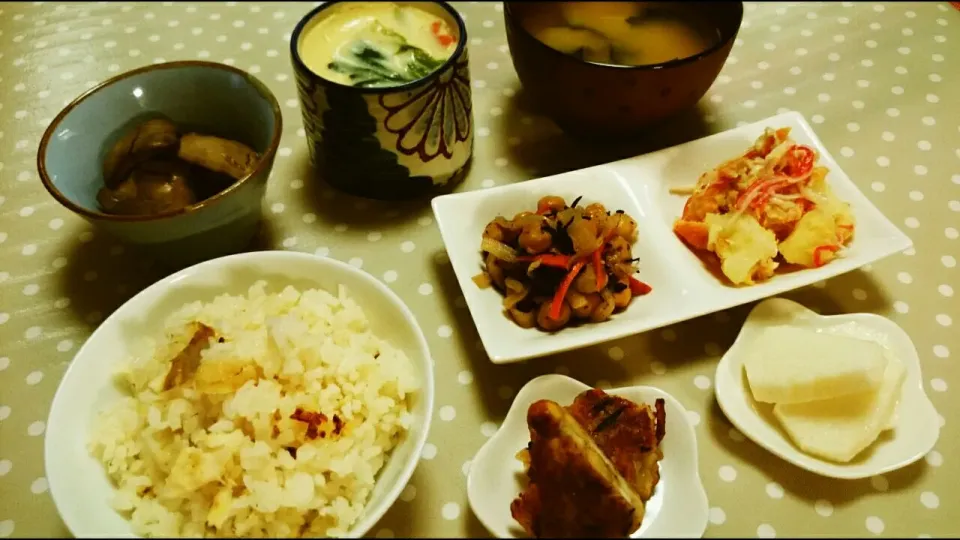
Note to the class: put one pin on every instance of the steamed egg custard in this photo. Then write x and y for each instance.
(622, 33)
(376, 44)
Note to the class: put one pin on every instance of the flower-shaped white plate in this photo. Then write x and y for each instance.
(678, 507)
(683, 288)
(917, 425)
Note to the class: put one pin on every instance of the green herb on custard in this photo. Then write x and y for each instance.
(387, 60)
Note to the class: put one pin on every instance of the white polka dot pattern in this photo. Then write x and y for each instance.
(876, 81)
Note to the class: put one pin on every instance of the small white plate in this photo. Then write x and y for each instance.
(678, 507)
(917, 425)
(683, 288)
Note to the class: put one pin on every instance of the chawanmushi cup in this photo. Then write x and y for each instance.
(390, 143)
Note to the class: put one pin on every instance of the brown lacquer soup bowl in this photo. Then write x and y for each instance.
(597, 99)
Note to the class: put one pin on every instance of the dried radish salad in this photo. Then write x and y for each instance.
(561, 263)
(769, 206)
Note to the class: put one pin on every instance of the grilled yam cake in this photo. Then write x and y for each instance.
(628, 434)
(574, 490)
(591, 466)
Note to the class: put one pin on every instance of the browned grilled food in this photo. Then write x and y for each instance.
(629, 434)
(591, 466)
(574, 490)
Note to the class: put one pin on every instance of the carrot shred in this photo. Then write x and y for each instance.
(639, 288)
(444, 39)
(561, 293)
(843, 228)
(818, 254)
(548, 259)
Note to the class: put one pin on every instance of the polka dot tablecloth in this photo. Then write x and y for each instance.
(879, 82)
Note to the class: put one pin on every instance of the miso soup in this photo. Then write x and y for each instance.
(622, 33)
(376, 44)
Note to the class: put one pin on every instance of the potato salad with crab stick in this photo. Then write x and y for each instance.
(562, 263)
(769, 206)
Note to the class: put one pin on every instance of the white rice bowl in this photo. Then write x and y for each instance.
(220, 455)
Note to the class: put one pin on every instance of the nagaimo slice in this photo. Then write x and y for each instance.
(787, 364)
(840, 428)
(894, 418)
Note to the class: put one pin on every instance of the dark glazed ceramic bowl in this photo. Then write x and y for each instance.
(393, 143)
(606, 100)
(212, 98)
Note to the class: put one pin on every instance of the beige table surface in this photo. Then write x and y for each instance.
(879, 82)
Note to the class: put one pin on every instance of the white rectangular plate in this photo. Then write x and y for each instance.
(683, 287)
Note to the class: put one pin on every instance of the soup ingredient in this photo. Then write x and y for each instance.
(376, 44)
(561, 263)
(293, 407)
(591, 466)
(840, 428)
(623, 33)
(580, 42)
(770, 205)
(789, 364)
(152, 169)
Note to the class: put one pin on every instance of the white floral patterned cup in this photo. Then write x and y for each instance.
(391, 143)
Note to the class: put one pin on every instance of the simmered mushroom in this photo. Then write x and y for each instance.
(152, 170)
(229, 157)
(150, 140)
(152, 188)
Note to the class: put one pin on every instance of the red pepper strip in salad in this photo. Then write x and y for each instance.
(548, 259)
(818, 254)
(561, 293)
(639, 288)
(598, 268)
